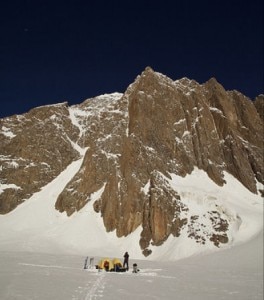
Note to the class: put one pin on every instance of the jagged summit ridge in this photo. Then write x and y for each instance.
(132, 144)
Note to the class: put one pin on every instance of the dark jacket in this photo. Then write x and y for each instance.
(126, 256)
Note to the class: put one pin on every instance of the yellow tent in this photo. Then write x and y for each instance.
(118, 267)
(117, 262)
(106, 264)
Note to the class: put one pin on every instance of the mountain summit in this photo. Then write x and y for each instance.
(134, 146)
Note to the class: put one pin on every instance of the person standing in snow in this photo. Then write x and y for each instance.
(126, 256)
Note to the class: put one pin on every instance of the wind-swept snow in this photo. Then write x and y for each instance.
(233, 274)
(42, 251)
(36, 226)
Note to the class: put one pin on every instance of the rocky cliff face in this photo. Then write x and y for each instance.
(259, 104)
(132, 143)
(35, 148)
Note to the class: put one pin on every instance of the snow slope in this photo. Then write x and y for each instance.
(236, 273)
(36, 226)
(42, 251)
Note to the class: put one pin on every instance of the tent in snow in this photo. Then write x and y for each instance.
(106, 264)
(114, 265)
(117, 261)
(118, 267)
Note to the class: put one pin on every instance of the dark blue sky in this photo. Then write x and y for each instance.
(55, 51)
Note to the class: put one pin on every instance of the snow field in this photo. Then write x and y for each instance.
(235, 273)
(42, 251)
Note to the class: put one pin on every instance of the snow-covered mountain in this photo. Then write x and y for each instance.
(166, 170)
